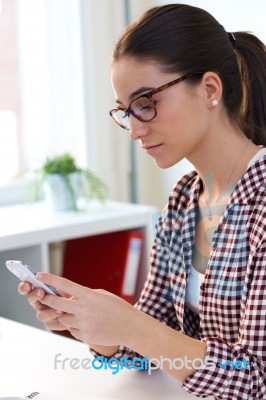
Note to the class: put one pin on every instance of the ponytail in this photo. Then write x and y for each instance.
(251, 57)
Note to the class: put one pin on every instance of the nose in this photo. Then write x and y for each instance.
(138, 129)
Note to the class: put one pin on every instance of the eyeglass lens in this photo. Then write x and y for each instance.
(142, 108)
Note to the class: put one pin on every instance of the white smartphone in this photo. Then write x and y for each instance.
(24, 273)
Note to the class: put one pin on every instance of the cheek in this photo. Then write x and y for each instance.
(188, 120)
(179, 125)
(173, 112)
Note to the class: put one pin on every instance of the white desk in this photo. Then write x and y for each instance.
(27, 365)
(28, 231)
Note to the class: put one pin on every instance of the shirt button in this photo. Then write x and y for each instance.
(202, 287)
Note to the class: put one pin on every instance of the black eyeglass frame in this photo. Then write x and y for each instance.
(148, 95)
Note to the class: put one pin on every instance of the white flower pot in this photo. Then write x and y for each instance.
(62, 192)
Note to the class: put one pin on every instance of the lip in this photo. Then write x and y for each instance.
(151, 149)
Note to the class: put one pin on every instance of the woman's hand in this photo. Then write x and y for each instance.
(92, 316)
(43, 313)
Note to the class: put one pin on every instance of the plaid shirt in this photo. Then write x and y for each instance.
(232, 319)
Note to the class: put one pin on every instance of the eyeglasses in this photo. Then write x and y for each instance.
(143, 107)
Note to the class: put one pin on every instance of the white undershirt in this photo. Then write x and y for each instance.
(196, 278)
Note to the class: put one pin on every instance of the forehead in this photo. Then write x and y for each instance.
(133, 65)
(129, 74)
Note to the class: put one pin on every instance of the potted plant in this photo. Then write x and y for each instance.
(63, 182)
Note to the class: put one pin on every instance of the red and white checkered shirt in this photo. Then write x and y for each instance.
(232, 318)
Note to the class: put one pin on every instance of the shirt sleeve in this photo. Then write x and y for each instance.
(243, 376)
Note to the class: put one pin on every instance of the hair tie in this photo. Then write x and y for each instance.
(232, 38)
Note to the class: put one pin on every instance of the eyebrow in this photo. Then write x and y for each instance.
(141, 90)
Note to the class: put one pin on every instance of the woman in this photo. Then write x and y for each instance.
(185, 88)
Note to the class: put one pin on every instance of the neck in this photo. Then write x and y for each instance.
(221, 164)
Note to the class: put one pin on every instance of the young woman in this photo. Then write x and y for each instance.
(185, 88)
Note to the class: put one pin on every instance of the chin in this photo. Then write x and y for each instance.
(164, 164)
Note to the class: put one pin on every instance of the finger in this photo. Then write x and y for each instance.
(47, 315)
(55, 325)
(24, 288)
(67, 305)
(35, 296)
(60, 283)
(67, 320)
(76, 333)
(65, 294)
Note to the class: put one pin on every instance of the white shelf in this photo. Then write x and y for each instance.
(26, 225)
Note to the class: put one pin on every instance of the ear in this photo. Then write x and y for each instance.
(212, 86)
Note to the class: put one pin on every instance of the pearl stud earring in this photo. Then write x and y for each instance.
(215, 102)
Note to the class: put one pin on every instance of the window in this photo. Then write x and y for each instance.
(41, 84)
(9, 93)
(61, 55)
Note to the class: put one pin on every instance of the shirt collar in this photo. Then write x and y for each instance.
(253, 179)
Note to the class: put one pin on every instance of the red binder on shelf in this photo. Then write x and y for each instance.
(109, 261)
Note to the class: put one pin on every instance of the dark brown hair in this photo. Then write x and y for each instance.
(185, 39)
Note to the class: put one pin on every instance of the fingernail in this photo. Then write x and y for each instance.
(39, 275)
(39, 293)
(58, 312)
(26, 286)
